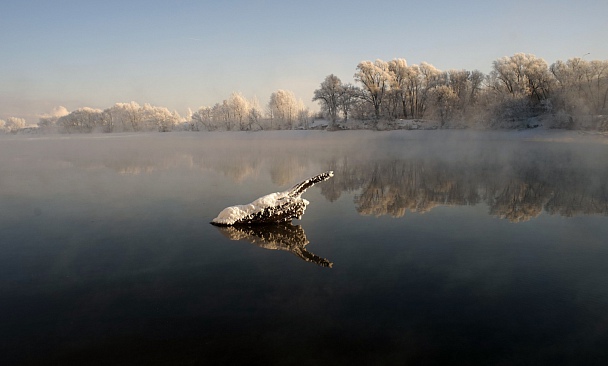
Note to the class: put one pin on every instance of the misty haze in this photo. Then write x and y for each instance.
(443, 246)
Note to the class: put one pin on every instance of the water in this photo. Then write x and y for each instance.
(425, 248)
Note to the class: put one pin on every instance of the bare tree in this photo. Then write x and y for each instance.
(329, 96)
(445, 102)
(350, 95)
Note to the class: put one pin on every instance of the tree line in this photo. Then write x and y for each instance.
(566, 94)
(283, 111)
(520, 91)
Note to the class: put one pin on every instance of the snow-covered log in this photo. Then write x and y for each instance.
(272, 208)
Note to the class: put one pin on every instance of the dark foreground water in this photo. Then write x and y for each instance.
(425, 248)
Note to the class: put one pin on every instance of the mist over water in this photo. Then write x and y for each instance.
(444, 246)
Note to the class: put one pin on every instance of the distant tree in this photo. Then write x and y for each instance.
(12, 124)
(328, 95)
(400, 79)
(82, 120)
(284, 108)
(240, 110)
(125, 117)
(458, 82)
(189, 114)
(375, 80)
(221, 115)
(412, 85)
(431, 77)
(476, 79)
(203, 119)
(584, 82)
(108, 121)
(255, 114)
(522, 75)
(48, 122)
(349, 97)
(159, 118)
(445, 103)
(304, 116)
(466, 86)
(596, 84)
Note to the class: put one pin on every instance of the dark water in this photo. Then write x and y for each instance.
(425, 248)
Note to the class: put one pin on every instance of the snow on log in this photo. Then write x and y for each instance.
(273, 208)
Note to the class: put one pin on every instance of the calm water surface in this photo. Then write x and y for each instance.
(425, 248)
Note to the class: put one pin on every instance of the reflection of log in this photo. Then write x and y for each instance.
(286, 237)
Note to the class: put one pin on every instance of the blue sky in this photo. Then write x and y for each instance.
(187, 54)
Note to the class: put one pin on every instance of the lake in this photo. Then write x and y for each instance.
(426, 247)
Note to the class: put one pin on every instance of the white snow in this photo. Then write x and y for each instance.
(232, 214)
(276, 204)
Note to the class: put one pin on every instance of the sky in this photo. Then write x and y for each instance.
(188, 54)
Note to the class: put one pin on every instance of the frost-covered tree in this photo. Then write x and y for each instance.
(466, 87)
(431, 77)
(124, 117)
(240, 110)
(522, 75)
(375, 79)
(349, 97)
(202, 119)
(596, 85)
(158, 118)
(328, 95)
(255, 114)
(400, 72)
(284, 108)
(458, 82)
(518, 87)
(47, 123)
(12, 124)
(411, 87)
(476, 79)
(444, 101)
(413, 91)
(189, 114)
(82, 120)
(582, 86)
(222, 115)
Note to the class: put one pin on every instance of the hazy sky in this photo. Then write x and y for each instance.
(181, 54)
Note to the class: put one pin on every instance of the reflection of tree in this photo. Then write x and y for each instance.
(239, 168)
(380, 196)
(517, 182)
(519, 201)
(349, 175)
(518, 187)
(286, 237)
(286, 169)
(398, 186)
